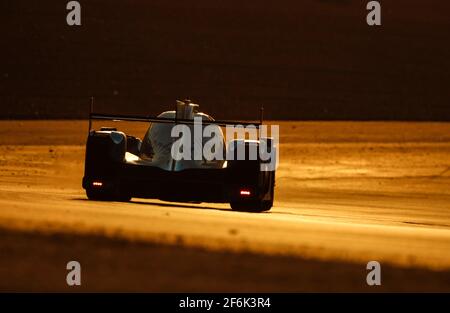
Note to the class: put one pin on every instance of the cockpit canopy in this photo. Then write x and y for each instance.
(158, 141)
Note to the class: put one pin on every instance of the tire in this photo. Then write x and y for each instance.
(256, 205)
(123, 198)
(102, 195)
(98, 195)
(252, 206)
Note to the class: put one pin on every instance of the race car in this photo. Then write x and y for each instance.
(120, 166)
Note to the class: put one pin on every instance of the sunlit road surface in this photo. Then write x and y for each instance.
(326, 230)
(376, 195)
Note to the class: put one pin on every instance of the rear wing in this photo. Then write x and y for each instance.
(137, 118)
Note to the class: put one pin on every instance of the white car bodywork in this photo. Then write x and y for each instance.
(157, 144)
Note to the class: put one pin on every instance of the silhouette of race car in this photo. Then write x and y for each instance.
(120, 166)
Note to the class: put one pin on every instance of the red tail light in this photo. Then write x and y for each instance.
(245, 192)
(97, 184)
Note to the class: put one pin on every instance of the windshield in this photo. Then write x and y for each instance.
(158, 142)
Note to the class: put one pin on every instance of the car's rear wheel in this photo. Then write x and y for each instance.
(107, 195)
(252, 206)
(98, 195)
(123, 198)
(256, 205)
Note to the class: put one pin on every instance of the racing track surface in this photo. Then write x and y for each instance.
(346, 193)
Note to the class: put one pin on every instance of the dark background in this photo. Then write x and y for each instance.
(301, 59)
